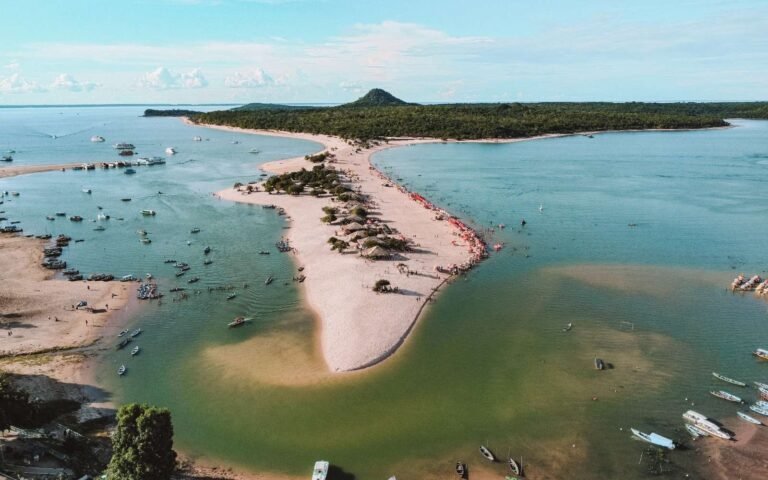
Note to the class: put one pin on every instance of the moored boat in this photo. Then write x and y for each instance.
(728, 379)
(121, 370)
(761, 385)
(654, 439)
(129, 171)
(135, 351)
(148, 213)
(762, 410)
(515, 467)
(97, 139)
(320, 470)
(238, 321)
(705, 424)
(195, 230)
(599, 364)
(193, 280)
(207, 250)
(136, 333)
(726, 396)
(748, 418)
(6, 158)
(269, 280)
(695, 431)
(231, 296)
(461, 469)
(124, 146)
(568, 327)
(170, 151)
(761, 353)
(484, 451)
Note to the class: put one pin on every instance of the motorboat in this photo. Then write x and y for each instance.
(100, 228)
(135, 350)
(193, 280)
(6, 158)
(207, 250)
(254, 151)
(726, 396)
(269, 280)
(695, 431)
(122, 332)
(124, 146)
(238, 321)
(195, 230)
(76, 218)
(121, 370)
(760, 409)
(515, 467)
(128, 278)
(761, 385)
(654, 439)
(703, 423)
(170, 151)
(97, 139)
(136, 333)
(461, 469)
(129, 171)
(197, 138)
(125, 153)
(728, 380)
(88, 191)
(761, 353)
(61, 214)
(320, 470)
(599, 364)
(568, 327)
(208, 262)
(148, 213)
(145, 240)
(125, 199)
(748, 418)
(231, 296)
(487, 453)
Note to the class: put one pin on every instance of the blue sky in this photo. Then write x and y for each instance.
(208, 51)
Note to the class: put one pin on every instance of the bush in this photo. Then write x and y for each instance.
(381, 286)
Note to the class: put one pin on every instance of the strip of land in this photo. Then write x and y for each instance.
(360, 327)
(25, 169)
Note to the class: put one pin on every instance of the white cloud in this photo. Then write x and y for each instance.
(164, 79)
(252, 79)
(66, 81)
(14, 65)
(17, 84)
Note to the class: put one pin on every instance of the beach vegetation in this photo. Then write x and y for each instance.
(330, 210)
(142, 444)
(319, 157)
(320, 178)
(328, 218)
(338, 244)
(381, 285)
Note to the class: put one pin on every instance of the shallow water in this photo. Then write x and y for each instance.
(489, 362)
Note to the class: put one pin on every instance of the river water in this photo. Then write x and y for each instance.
(632, 237)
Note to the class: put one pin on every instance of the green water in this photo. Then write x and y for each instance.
(488, 362)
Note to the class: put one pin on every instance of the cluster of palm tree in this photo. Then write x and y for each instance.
(317, 181)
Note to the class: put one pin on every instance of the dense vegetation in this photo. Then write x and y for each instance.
(364, 120)
(151, 112)
(317, 181)
(142, 444)
(269, 106)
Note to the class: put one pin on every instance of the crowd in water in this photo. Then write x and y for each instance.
(752, 284)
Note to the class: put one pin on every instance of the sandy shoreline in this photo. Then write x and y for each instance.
(43, 336)
(6, 172)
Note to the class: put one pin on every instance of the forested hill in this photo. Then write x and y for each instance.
(176, 112)
(473, 121)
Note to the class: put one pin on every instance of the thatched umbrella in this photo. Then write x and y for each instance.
(353, 227)
(376, 252)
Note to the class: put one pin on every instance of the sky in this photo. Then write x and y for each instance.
(331, 51)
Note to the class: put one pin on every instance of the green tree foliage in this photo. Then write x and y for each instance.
(142, 444)
(319, 178)
(380, 119)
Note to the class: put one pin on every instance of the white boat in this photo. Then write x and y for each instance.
(149, 213)
(128, 278)
(487, 453)
(170, 151)
(758, 409)
(197, 139)
(728, 379)
(748, 418)
(761, 353)
(97, 139)
(149, 161)
(654, 439)
(123, 332)
(121, 370)
(320, 471)
(568, 327)
(87, 190)
(705, 424)
(695, 431)
(726, 396)
(255, 151)
(135, 350)
(136, 333)
(124, 146)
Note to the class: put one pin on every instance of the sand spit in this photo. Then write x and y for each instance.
(25, 169)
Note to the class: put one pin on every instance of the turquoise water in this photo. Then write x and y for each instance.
(488, 363)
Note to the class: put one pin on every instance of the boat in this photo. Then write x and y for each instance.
(238, 321)
(195, 230)
(100, 228)
(269, 280)
(514, 466)
(135, 350)
(97, 139)
(461, 469)
(255, 151)
(197, 138)
(654, 439)
(320, 471)
(121, 370)
(748, 418)
(208, 262)
(487, 453)
(145, 240)
(6, 158)
(726, 396)
(61, 214)
(122, 332)
(170, 151)
(599, 364)
(128, 278)
(76, 218)
(136, 333)
(87, 190)
(728, 380)
(695, 431)
(761, 353)
(124, 146)
(231, 296)
(568, 327)
(193, 280)
(129, 171)
(761, 385)
(125, 153)
(703, 423)
(762, 410)
(207, 250)
(148, 213)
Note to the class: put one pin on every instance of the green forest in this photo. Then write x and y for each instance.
(380, 115)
